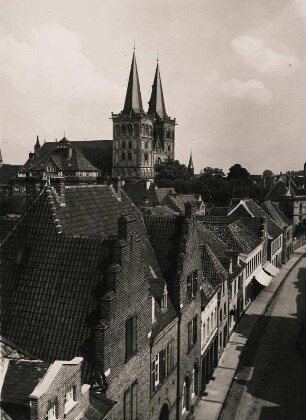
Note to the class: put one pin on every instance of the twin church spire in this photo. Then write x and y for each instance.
(133, 100)
(141, 139)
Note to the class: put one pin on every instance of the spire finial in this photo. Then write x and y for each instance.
(157, 56)
(134, 47)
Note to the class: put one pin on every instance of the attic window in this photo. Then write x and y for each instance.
(50, 169)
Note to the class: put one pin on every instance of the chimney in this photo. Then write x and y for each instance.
(116, 185)
(190, 210)
(126, 227)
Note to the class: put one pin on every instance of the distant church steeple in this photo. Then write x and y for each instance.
(190, 164)
(37, 147)
(133, 101)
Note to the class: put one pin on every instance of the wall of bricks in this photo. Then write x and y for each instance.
(166, 392)
(67, 377)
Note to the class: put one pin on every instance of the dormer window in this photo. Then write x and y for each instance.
(50, 168)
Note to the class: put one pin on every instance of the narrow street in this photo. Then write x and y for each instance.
(270, 381)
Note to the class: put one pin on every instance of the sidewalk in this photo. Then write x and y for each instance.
(210, 405)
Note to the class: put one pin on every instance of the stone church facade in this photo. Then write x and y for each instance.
(142, 139)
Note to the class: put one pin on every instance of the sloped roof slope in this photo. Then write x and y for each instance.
(50, 281)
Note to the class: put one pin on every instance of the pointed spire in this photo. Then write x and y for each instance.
(37, 141)
(157, 104)
(133, 102)
(190, 164)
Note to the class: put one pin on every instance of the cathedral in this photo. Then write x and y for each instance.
(141, 139)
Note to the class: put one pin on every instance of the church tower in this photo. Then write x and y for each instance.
(163, 125)
(133, 155)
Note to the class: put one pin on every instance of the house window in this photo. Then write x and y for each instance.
(50, 168)
(162, 365)
(17, 187)
(51, 413)
(69, 399)
(130, 402)
(164, 300)
(195, 381)
(131, 337)
(192, 332)
(186, 395)
(192, 285)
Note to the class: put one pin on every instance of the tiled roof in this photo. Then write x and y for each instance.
(49, 278)
(97, 152)
(278, 191)
(99, 406)
(140, 195)
(6, 225)
(10, 351)
(7, 172)
(164, 233)
(235, 235)
(206, 236)
(219, 211)
(12, 204)
(276, 214)
(273, 229)
(213, 270)
(22, 376)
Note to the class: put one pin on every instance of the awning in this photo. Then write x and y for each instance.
(271, 269)
(263, 278)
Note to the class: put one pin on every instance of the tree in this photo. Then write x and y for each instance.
(213, 172)
(171, 170)
(238, 172)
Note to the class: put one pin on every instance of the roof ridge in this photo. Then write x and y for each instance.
(49, 194)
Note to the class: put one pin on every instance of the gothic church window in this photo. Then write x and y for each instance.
(123, 130)
(146, 157)
(123, 156)
(130, 144)
(117, 130)
(123, 144)
(150, 131)
(130, 130)
(146, 130)
(136, 130)
(129, 156)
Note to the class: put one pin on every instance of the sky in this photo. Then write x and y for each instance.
(233, 74)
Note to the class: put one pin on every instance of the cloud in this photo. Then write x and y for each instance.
(52, 65)
(250, 89)
(261, 58)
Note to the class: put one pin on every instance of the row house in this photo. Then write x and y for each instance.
(284, 223)
(83, 276)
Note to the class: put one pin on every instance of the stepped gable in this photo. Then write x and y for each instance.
(276, 214)
(53, 268)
